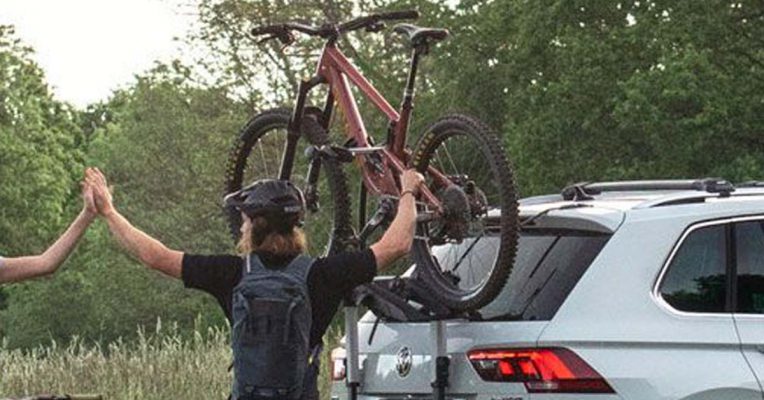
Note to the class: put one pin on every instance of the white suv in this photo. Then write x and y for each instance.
(620, 290)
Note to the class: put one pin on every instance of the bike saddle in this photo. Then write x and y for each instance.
(419, 35)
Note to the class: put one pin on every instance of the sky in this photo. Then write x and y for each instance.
(88, 48)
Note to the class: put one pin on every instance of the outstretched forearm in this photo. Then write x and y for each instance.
(60, 250)
(148, 250)
(397, 240)
(20, 268)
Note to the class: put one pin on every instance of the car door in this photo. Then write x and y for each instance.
(693, 347)
(748, 289)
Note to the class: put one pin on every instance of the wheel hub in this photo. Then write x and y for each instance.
(456, 212)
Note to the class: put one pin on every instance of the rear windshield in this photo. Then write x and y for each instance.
(547, 267)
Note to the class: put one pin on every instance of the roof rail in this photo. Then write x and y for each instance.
(584, 191)
(750, 184)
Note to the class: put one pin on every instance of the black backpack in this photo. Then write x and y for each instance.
(271, 330)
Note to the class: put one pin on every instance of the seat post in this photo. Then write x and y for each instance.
(409, 93)
(407, 104)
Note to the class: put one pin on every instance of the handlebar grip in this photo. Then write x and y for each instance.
(395, 15)
(268, 29)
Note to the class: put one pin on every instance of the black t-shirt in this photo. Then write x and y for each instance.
(330, 279)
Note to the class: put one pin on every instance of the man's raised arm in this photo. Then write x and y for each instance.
(148, 250)
(397, 239)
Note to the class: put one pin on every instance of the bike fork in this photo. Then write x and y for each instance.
(295, 123)
(314, 170)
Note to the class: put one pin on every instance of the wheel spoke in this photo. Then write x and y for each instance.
(451, 160)
(464, 255)
(265, 163)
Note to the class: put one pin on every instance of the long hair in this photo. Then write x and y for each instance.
(265, 235)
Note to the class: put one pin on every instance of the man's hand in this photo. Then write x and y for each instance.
(88, 202)
(101, 192)
(397, 240)
(411, 180)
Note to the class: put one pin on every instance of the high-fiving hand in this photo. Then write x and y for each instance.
(96, 181)
(88, 202)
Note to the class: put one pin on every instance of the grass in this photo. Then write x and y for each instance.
(160, 365)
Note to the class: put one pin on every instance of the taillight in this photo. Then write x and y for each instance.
(547, 370)
(337, 363)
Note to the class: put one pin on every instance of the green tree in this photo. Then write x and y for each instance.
(637, 89)
(162, 143)
(39, 159)
(39, 162)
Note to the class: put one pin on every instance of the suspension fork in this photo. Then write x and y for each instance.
(295, 123)
(311, 190)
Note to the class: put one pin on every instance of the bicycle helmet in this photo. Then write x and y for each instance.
(271, 198)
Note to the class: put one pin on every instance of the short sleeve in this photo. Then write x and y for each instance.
(215, 274)
(346, 270)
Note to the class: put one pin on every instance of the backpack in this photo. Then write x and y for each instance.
(271, 316)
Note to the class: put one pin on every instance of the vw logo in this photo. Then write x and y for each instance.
(403, 363)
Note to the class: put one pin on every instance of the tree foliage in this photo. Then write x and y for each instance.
(579, 91)
(161, 142)
(624, 90)
(38, 151)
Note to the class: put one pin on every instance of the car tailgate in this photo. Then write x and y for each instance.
(383, 361)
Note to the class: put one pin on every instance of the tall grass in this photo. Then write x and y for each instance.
(159, 365)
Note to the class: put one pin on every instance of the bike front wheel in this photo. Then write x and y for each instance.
(257, 154)
(466, 254)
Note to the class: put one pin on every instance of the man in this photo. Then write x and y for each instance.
(271, 240)
(15, 269)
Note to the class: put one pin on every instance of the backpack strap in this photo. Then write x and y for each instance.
(252, 263)
(299, 266)
(288, 320)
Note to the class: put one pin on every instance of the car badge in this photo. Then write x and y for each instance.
(403, 363)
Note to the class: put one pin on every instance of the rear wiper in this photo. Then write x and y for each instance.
(540, 214)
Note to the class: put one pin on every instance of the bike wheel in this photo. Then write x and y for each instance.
(466, 255)
(257, 155)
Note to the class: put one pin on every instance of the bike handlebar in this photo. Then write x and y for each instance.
(283, 32)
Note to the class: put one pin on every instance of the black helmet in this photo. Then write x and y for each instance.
(268, 197)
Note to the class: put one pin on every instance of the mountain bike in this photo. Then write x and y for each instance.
(469, 199)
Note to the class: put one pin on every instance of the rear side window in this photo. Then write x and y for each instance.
(547, 267)
(749, 257)
(696, 279)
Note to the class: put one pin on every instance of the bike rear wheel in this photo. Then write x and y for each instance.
(466, 255)
(257, 154)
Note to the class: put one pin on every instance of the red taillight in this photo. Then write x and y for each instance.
(549, 370)
(337, 363)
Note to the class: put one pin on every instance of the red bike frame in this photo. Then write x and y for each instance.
(336, 70)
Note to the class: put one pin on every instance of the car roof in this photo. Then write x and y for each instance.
(606, 204)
